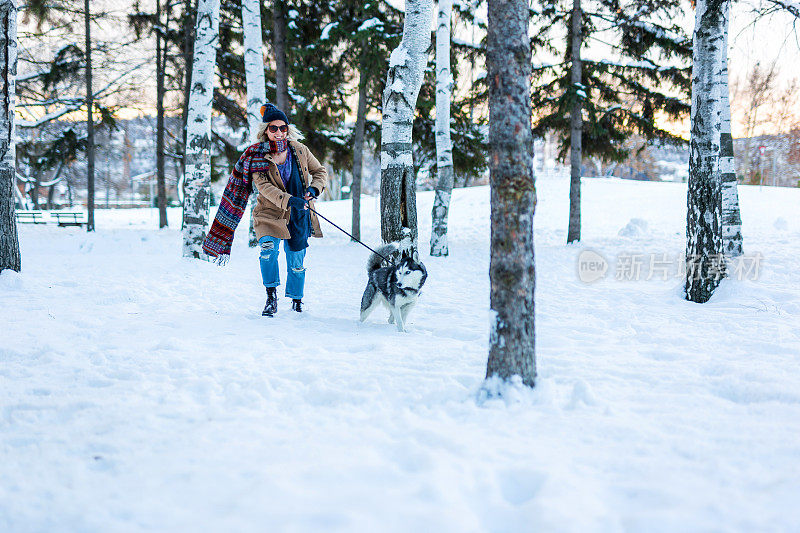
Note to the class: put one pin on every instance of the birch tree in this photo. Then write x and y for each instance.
(513, 195)
(576, 125)
(253, 64)
(444, 145)
(731, 216)
(406, 67)
(256, 84)
(198, 136)
(704, 266)
(9, 242)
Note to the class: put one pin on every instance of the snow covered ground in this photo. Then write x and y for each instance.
(143, 392)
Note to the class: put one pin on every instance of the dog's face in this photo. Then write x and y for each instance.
(410, 274)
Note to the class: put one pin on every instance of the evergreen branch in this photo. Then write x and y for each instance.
(76, 104)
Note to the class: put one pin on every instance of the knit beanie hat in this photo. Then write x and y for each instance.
(269, 113)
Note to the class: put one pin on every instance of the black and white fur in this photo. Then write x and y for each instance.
(396, 285)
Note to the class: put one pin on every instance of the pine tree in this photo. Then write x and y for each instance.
(177, 48)
(87, 19)
(279, 46)
(617, 98)
(358, 153)
(366, 32)
(47, 93)
(198, 145)
(513, 195)
(403, 82)
(704, 265)
(318, 81)
(576, 95)
(160, 130)
(9, 241)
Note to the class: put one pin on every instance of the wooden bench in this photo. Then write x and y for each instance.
(30, 217)
(69, 218)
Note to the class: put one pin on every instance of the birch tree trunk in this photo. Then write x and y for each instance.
(444, 146)
(731, 216)
(406, 67)
(89, 121)
(161, 64)
(9, 241)
(576, 126)
(253, 64)
(513, 195)
(704, 205)
(256, 84)
(358, 152)
(279, 45)
(198, 136)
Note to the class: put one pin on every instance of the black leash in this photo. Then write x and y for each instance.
(343, 231)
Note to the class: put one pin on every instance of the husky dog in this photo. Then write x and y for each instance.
(395, 285)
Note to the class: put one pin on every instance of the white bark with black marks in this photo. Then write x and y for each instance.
(444, 145)
(196, 183)
(10, 258)
(253, 64)
(576, 126)
(256, 84)
(406, 67)
(704, 265)
(731, 216)
(513, 195)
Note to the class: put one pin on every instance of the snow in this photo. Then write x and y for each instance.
(326, 31)
(399, 57)
(142, 391)
(369, 24)
(397, 86)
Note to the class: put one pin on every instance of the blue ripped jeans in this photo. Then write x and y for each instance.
(295, 272)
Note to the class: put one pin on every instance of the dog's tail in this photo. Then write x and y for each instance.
(375, 260)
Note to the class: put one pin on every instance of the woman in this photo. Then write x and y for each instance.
(292, 181)
(288, 178)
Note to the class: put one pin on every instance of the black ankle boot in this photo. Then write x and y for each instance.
(272, 302)
(297, 305)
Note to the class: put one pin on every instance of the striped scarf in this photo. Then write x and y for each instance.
(231, 208)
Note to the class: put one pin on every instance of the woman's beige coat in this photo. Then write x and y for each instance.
(271, 212)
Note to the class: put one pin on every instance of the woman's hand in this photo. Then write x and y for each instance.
(311, 194)
(295, 202)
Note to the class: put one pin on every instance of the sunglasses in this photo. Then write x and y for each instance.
(274, 129)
